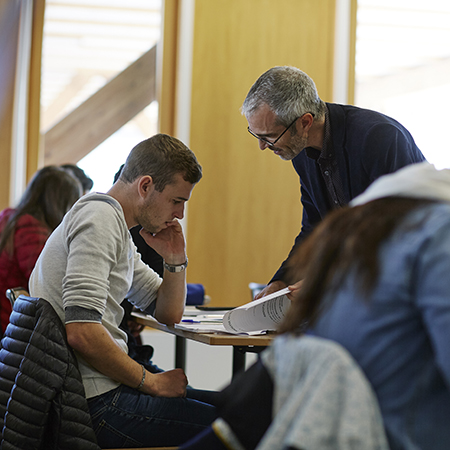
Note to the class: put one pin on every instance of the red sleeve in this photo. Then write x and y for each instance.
(29, 240)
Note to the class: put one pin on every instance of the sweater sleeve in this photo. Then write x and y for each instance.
(144, 290)
(93, 249)
(103, 266)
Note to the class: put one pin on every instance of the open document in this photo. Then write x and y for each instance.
(255, 317)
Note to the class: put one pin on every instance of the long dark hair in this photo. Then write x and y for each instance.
(347, 240)
(49, 195)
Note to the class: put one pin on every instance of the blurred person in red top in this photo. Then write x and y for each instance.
(24, 230)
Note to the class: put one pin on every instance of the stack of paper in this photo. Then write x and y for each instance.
(253, 318)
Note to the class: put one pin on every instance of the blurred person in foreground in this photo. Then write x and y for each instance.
(376, 280)
(25, 229)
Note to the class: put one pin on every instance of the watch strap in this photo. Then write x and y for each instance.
(176, 267)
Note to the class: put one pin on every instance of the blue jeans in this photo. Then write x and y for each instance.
(125, 417)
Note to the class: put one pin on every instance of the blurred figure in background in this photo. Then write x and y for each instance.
(86, 182)
(24, 230)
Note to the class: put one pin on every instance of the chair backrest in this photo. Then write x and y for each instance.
(322, 399)
(303, 393)
(13, 293)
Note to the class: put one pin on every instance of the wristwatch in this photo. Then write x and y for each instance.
(176, 267)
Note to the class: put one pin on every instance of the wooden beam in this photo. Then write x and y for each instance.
(34, 151)
(102, 114)
(54, 111)
(146, 124)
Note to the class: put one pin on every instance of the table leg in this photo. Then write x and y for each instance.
(180, 352)
(238, 360)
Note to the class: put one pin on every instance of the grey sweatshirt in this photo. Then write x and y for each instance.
(90, 263)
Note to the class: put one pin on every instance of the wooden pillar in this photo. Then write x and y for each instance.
(245, 213)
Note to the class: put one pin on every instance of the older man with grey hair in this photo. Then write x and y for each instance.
(336, 150)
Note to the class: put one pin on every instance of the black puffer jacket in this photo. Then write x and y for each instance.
(42, 399)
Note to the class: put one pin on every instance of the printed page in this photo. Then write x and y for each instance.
(201, 327)
(263, 314)
(212, 328)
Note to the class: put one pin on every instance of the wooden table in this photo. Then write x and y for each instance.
(241, 343)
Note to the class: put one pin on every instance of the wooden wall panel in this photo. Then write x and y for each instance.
(245, 213)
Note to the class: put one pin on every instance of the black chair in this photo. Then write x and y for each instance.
(42, 398)
(13, 294)
(49, 416)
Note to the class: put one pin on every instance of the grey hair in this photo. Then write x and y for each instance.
(288, 92)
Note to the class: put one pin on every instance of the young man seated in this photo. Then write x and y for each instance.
(90, 264)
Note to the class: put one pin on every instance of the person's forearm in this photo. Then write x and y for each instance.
(171, 298)
(94, 343)
(170, 244)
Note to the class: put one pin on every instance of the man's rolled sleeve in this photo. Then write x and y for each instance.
(79, 314)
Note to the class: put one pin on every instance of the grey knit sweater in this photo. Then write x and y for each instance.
(90, 261)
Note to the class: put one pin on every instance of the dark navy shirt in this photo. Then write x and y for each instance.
(364, 145)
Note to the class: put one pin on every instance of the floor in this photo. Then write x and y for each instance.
(207, 367)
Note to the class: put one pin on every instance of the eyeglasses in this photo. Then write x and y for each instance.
(271, 144)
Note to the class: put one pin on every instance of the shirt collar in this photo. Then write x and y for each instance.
(327, 147)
